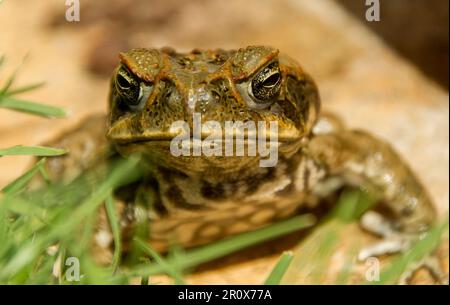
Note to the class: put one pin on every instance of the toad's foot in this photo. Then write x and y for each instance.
(431, 263)
(395, 241)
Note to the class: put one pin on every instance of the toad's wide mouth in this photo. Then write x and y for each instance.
(165, 137)
(122, 132)
(184, 148)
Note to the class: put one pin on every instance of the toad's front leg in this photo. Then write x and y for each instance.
(363, 160)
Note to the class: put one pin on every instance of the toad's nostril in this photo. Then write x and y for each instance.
(215, 95)
(174, 100)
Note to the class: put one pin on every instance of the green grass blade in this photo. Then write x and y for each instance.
(168, 268)
(12, 78)
(115, 228)
(20, 183)
(31, 107)
(66, 222)
(8, 83)
(344, 274)
(40, 151)
(391, 274)
(24, 89)
(5, 231)
(312, 258)
(279, 270)
(352, 204)
(207, 253)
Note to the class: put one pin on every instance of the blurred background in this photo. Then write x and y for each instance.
(389, 77)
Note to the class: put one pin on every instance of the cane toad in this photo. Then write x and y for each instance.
(195, 199)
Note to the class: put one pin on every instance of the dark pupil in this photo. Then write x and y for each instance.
(123, 82)
(271, 80)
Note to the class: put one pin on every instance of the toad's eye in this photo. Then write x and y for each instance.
(128, 87)
(266, 85)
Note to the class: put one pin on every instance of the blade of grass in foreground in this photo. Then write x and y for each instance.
(115, 228)
(8, 101)
(11, 79)
(279, 270)
(66, 222)
(210, 252)
(21, 182)
(24, 89)
(392, 273)
(40, 151)
(169, 269)
(30, 107)
(312, 258)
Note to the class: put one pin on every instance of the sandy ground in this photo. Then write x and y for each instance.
(359, 78)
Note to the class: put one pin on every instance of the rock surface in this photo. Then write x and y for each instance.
(359, 77)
